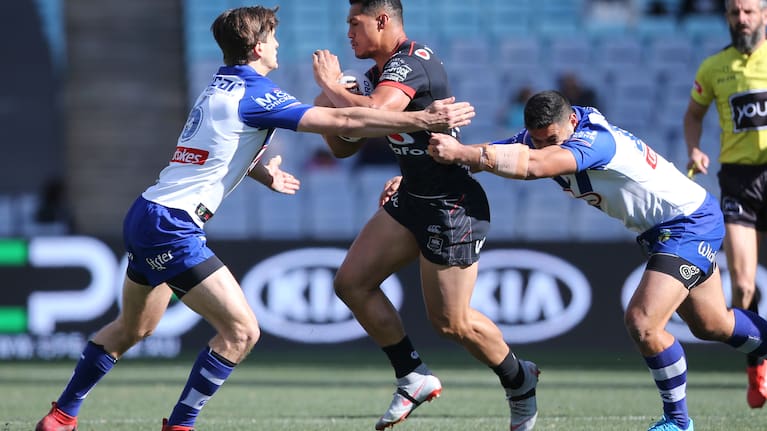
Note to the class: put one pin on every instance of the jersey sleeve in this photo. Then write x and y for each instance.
(265, 105)
(591, 149)
(702, 90)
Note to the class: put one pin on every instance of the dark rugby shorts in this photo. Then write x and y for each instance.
(743, 200)
(449, 230)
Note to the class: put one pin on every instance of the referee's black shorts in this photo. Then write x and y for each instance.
(743, 197)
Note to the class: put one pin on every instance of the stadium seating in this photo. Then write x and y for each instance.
(642, 71)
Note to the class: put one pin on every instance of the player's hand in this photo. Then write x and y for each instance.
(327, 69)
(282, 181)
(445, 149)
(390, 187)
(698, 162)
(445, 114)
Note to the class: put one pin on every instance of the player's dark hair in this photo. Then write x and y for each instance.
(370, 7)
(238, 30)
(546, 108)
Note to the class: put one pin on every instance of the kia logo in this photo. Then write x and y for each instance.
(531, 296)
(293, 298)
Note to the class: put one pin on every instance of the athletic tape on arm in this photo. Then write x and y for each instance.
(508, 161)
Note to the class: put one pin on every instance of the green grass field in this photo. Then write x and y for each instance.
(310, 391)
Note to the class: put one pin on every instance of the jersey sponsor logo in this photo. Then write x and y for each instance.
(292, 295)
(749, 111)
(396, 70)
(424, 53)
(273, 99)
(531, 296)
(192, 124)
(400, 145)
(192, 156)
(651, 157)
(227, 83)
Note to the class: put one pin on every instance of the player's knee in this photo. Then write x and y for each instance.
(242, 337)
(639, 326)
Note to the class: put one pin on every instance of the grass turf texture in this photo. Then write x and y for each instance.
(321, 390)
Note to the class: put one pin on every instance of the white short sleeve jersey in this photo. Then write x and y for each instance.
(622, 176)
(226, 133)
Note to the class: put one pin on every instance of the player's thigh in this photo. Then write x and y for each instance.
(741, 248)
(705, 309)
(143, 306)
(220, 300)
(382, 247)
(447, 290)
(655, 300)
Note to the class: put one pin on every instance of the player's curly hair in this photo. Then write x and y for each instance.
(546, 108)
(238, 30)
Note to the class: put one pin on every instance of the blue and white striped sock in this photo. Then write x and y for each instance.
(669, 370)
(94, 364)
(747, 336)
(207, 375)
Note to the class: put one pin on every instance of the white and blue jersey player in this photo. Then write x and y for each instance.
(679, 224)
(224, 138)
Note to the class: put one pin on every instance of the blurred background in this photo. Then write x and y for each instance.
(96, 93)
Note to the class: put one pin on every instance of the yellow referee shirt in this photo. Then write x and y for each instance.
(738, 84)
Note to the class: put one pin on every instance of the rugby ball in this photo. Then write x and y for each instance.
(363, 87)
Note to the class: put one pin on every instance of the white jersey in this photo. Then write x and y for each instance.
(622, 176)
(226, 133)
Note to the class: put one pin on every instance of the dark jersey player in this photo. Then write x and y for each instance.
(440, 217)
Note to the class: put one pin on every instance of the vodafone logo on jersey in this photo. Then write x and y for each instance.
(191, 156)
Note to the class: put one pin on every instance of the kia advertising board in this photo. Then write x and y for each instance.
(544, 295)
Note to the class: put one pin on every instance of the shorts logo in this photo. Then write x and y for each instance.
(478, 245)
(688, 271)
(158, 262)
(395, 200)
(435, 244)
(434, 228)
(664, 235)
(705, 250)
(731, 206)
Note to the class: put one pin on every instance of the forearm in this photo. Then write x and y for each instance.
(510, 161)
(366, 122)
(261, 174)
(693, 130)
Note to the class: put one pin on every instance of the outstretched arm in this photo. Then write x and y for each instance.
(367, 122)
(512, 160)
(275, 178)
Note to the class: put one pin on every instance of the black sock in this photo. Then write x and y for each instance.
(509, 372)
(754, 360)
(403, 357)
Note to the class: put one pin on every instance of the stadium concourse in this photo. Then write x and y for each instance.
(641, 66)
